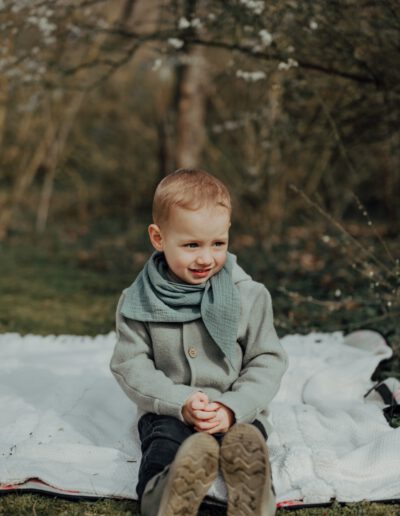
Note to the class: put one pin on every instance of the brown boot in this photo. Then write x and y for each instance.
(180, 489)
(245, 467)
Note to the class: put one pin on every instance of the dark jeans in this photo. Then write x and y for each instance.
(161, 437)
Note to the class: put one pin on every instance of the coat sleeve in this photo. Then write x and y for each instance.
(133, 367)
(264, 363)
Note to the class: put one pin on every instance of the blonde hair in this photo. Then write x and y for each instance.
(190, 189)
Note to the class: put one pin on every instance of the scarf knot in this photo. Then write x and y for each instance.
(154, 297)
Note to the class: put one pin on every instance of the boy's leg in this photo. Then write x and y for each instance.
(177, 469)
(246, 469)
(180, 489)
(161, 437)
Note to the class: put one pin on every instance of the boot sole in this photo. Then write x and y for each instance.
(246, 471)
(190, 476)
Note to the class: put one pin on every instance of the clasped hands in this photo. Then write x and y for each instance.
(206, 416)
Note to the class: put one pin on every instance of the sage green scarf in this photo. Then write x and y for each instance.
(155, 297)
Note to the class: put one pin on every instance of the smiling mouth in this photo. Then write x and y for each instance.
(200, 271)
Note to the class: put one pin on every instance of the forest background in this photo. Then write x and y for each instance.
(294, 105)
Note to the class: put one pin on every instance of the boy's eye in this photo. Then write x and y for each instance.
(191, 245)
(219, 244)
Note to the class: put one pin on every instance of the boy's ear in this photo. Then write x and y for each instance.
(156, 237)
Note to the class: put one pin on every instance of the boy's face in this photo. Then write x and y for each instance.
(194, 242)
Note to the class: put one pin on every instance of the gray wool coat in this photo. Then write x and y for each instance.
(159, 365)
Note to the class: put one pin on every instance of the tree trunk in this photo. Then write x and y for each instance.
(192, 91)
(6, 47)
(53, 159)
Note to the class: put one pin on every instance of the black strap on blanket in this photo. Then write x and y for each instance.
(386, 394)
(392, 409)
(391, 412)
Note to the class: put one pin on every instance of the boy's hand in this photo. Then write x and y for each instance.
(197, 411)
(224, 419)
(205, 416)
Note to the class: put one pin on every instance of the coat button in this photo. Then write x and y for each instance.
(192, 352)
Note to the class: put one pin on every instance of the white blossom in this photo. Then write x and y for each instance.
(157, 64)
(313, 25)
(12, 72)
(183, 23)
(228, 125)
(256, 6)
(74, 29)
(231, 125)
(291, 63)
(251, 76)
(242, 120)
(16, 8)
(175, 42)
(266, 37)
(32, 65)
(196, 23)
(103, 24)
(338, 292)
(45, 26)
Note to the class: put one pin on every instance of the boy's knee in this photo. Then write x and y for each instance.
(153, 426)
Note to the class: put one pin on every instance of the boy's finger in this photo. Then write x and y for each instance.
(217, 429)
(198, 405)
(202, 426)
(213, 407)
(208, 422)
(202, 415)
(202, 397)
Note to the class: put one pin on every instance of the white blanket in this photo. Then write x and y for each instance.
(65, 421)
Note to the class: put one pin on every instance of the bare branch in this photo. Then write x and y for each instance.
(164, 35)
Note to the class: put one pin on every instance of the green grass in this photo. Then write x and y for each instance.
(43, 292)
(52, 289)
(39, 505)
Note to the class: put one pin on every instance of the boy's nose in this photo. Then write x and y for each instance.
(204, 258)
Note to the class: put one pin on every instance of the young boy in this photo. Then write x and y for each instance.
(198, 353)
